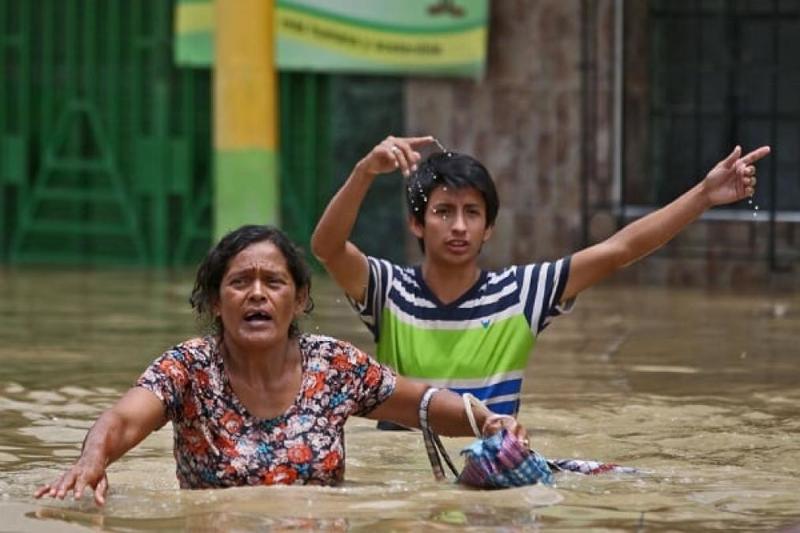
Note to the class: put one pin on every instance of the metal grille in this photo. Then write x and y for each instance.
(724, 72)
(104, 144)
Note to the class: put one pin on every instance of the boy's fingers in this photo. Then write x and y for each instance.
(732, 157)
(755, 155)
(415, 142)
(400, 157)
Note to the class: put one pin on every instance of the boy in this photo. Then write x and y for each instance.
(447, 322)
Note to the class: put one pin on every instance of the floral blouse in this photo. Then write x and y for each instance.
(218, 443)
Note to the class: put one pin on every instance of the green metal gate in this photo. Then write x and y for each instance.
(104, 144)
(327, 123)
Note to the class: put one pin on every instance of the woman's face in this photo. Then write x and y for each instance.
(258, 299)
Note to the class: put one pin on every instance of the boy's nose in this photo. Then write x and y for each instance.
(459, 223)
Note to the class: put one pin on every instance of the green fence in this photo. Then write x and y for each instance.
(327, 123)
(104, 144)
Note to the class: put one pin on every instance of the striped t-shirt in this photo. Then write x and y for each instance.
(479, 343)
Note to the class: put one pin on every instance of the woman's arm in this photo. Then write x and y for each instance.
(120, 428)
(446, 413)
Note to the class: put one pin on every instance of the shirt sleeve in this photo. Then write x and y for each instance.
(542, 287)
(380, 278)
(167, 377)
(367, 382)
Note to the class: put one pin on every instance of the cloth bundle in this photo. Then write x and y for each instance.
(502, 461)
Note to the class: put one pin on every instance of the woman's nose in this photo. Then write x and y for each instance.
(257, 290)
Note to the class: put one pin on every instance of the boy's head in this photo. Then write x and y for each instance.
(453, 170)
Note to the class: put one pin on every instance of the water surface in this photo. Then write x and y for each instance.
(698, 389)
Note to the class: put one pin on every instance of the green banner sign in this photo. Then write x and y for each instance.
(194, 33)
(383, 36)
(433, 37)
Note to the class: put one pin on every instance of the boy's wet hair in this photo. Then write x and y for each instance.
(449, 169)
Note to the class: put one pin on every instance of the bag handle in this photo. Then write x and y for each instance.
(433, 444)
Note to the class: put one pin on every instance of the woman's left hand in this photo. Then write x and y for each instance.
(495, 423)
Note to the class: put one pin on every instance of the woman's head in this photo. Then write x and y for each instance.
(453, 170)
(267, 265)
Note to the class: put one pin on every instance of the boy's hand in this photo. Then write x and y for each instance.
(394, 153)
(733, 178)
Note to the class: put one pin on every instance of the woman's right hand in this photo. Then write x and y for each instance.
(86, 472)
(495, 423)
(394, 153)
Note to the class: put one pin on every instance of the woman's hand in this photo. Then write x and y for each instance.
(394, 153)
(495, 423)
(87, 472)
(120, 428)
(733, 178)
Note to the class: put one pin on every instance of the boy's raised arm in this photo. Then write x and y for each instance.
(330, 242)
(731, 180)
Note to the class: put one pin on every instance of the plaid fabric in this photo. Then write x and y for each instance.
(501, 461)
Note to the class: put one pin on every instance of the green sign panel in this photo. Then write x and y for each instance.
(382, 36)
(433, 37)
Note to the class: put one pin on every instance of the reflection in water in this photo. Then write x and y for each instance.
(698, 390)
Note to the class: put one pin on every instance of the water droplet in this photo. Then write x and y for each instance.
(449, 154)
(756, 208)
(416, 209)
(755, 214)
(444, 189)
(750, 201)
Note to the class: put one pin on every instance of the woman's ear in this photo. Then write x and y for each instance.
(301, 301)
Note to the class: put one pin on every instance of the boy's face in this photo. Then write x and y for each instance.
(455, 225)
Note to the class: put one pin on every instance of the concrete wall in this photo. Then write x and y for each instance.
(523, 121)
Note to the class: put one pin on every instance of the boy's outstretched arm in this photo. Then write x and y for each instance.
(330, 241)
(731, 180)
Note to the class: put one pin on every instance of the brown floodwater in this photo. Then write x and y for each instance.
(697, 389)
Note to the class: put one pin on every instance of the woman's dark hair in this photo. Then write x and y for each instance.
(211, 271)
(449, 169)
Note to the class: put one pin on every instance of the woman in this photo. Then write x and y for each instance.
(256, 402)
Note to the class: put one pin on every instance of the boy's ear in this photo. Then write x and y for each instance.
(488, 233)
(415, 227)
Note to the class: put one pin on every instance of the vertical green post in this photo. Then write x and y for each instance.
(245, 129)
